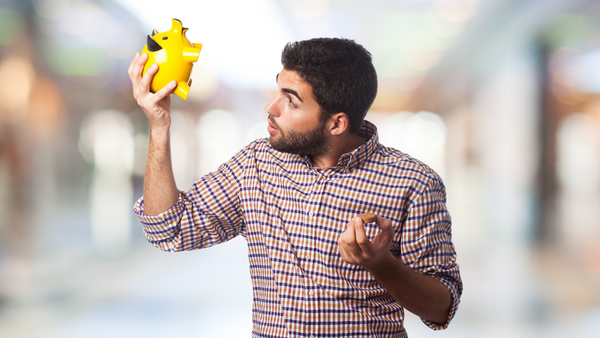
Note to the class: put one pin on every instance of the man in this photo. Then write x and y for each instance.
(317, 270)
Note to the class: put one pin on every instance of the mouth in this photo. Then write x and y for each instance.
(272, 128)
(152, 45)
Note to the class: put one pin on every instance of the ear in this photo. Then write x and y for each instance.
(338, 124)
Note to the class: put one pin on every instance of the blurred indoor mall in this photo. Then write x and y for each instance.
(501, 97)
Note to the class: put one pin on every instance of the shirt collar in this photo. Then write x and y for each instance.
(352, 160)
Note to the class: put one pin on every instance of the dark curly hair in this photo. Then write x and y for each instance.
(340, 72)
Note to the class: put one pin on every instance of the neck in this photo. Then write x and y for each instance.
(338, 147)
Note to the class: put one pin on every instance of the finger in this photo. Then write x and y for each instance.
(347, 240)
(350, 254)
(132, 64)
(147, 78)
(139, 65)
(384, 224)
(386, 236)
(349, 235)
(347, 256)
(166, 90)
(361, 236)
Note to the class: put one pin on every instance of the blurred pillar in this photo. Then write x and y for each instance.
(545, 223)
(106, 139)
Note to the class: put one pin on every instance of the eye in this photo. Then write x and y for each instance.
(292, 103)
(165, 38)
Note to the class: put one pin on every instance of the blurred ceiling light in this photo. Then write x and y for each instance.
(16, 80)
(107, 135)
(309, 9)
(12, 25)
(458, 11)
(426, 132)
(393, 129)
(106, 140)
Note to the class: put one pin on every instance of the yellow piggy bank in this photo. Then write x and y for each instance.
(175, 56)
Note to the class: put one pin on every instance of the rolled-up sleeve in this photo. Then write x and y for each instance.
(428, 247)
(208, 214)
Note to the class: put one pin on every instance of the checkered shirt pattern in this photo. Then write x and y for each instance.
(291, 214)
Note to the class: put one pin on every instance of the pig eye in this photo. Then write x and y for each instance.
(166, 37)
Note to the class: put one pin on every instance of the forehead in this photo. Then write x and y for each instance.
(289, 79)
(292, 78)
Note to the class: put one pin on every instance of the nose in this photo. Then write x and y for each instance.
(271, 108)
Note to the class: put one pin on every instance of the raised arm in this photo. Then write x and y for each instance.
(160, 189)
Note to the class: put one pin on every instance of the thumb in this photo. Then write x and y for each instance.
(385, 225)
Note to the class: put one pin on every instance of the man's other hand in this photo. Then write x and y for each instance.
(356, 248)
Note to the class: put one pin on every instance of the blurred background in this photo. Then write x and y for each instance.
(501, 97)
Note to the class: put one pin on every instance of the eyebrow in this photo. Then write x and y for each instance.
(290, 91)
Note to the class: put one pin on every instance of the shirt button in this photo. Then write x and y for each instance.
(307, 257)
(311, 293)
(311, 336)
(311, 214)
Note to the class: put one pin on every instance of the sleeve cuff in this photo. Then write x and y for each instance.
(166, 217)
(455, 292)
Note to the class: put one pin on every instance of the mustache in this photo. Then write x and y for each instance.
(272, 121)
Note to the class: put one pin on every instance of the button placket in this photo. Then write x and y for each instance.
(310, 306)
(309, 255)
(314, 199)
(311, 309)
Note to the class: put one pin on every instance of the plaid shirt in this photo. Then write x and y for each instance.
(291, 214)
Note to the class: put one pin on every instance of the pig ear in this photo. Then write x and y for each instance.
(152, 45)
(176, 25)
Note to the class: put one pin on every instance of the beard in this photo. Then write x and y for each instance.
(310, 143)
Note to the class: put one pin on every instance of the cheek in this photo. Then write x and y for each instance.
(300, 121)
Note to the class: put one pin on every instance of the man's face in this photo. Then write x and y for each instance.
(295, 125)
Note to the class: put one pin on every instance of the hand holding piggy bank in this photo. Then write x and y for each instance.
(175, 55)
